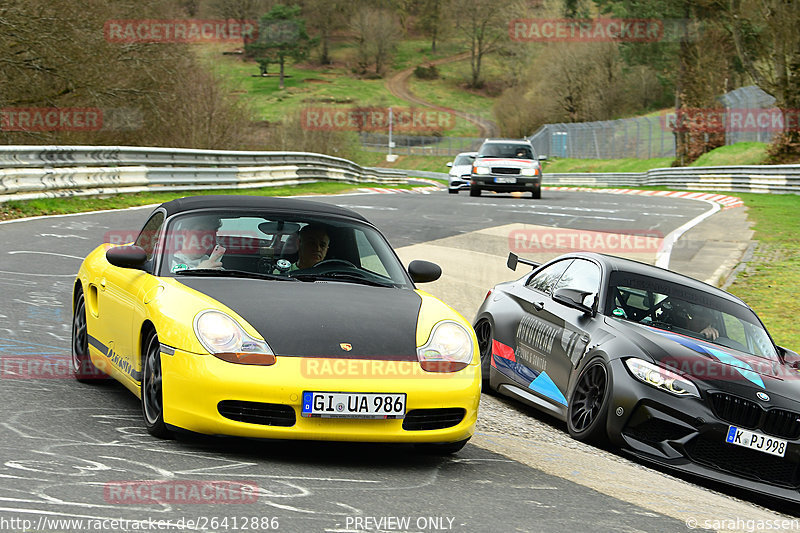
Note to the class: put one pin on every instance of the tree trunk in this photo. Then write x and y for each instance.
(281, 61)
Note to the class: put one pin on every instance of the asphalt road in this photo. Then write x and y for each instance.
(63, 445)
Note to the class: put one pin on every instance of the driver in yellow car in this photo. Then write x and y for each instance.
(313, 242)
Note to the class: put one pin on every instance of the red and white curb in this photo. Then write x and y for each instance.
(386, 190)
(724, 200)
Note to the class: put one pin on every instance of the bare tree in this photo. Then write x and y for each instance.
(327, 16)
(483, 25)
(376, 33)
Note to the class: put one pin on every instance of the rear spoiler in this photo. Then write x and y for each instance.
(513, 259)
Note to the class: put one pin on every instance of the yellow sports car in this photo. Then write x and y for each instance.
(275, 318)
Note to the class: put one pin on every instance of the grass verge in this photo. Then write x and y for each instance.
(59, 206)
(770, 284)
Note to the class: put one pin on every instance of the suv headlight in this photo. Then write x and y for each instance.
(225, 339)
(529, 171)
(661, 378)
(481, 170)
(449, 348)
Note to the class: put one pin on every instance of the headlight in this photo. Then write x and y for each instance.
(481, 170)
(529, 171)
(661, 378)
(225, 339)
(449, 348)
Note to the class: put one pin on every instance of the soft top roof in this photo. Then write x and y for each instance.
(233, 202)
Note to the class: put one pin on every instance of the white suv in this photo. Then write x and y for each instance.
(506, 165)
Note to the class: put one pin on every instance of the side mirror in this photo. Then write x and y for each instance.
(127, 256)
(575, 298)
(450, 164)
(424, 271)
(542, 158)
(791, 358)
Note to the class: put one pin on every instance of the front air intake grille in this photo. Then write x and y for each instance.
(265, 414)
(654, 431)
(504, 170)
(739, 461)
(422, 419)
(737, 411)
(782, 423)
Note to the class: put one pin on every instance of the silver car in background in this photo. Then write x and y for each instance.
(460, 170)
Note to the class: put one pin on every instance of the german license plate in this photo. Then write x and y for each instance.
(353, 405)
(505, 180)
(756, 441)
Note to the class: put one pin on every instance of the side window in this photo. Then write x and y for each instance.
(148, 237)
(582, 275)
(546, 279)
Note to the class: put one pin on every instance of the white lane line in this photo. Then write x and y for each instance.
(664, 253)
(44, 253)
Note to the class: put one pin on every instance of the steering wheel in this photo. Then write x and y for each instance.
(334, 263)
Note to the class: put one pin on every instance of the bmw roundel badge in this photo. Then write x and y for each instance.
(763, 396)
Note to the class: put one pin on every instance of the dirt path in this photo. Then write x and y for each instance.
(398, 86)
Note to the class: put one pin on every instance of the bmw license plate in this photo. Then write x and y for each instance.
(505, 180)
(756, 441)
(353, 405)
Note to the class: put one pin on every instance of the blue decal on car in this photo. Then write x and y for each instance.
(545, 386)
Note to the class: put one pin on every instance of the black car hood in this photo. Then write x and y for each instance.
(321, 319)
(718, 366)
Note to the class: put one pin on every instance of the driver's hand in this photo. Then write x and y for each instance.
(210, 263)
(709, 333)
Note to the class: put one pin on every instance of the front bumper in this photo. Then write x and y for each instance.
(489, 182)
(459, 183)
(686, 434)
(195, 385)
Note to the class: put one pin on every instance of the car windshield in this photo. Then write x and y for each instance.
(689, 312)
(510, 150)
(463, 160)
(274, 246)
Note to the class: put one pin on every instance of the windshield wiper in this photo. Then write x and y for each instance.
(219, 272)
(342, 276)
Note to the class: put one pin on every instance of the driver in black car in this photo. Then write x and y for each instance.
(313, 242)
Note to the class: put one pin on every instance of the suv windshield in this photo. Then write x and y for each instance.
(510, 150)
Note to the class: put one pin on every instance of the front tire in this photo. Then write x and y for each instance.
(452, 191)
(82, 367)
(474, 191)
(587, 413)
(152, 392)
(536, 194)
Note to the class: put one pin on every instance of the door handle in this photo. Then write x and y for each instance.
(539, 306)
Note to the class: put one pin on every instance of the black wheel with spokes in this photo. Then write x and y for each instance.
(484, 333)
(588, 407)
(152, 393)
(82, 367)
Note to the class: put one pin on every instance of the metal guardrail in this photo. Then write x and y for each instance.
(753, 178)
(28, 172)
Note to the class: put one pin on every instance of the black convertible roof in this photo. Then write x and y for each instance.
(233, 202)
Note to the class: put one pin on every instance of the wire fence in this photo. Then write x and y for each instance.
(419, 144)
(742, 116)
